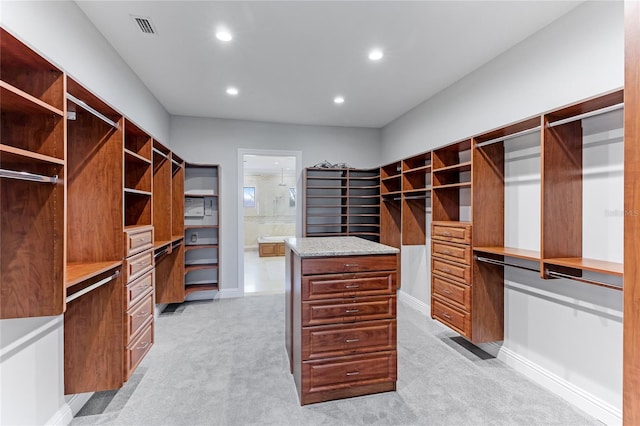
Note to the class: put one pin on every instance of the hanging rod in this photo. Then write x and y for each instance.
(176, 163)
(32, 177)
(507, 137)
(157, 151)
(176, 244)
(587, 115)
(92, 287)
(162, 253)
(584, 280)
(416, 197)
(93, 111)
(502, 263)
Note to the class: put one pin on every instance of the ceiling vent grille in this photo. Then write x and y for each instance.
(144, 24)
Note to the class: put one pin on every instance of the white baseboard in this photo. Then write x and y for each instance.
(414, 303)
(65, 414)
(229, 293)
(585, 401)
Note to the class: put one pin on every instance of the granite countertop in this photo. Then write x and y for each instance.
(336, 246)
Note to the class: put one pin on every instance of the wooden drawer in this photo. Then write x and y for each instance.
(349, 371)
(137, 240)
(138, 264)
(339, 285)
(348, 310)
(454, 232)
(452, 252)
(139, 315)
(458, 320)
(349, 264)
(332, 341)
(456, 272)
(137, 288)
(457, 294)
(137, 349)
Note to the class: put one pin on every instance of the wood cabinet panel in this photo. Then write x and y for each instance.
(138, 264)
(348, 264)
(458, 320)
(139, 287)
(451, 252)
(138, 349)
(139, 315)
(348, 285)
(457, 272)
(348, 310)
(454, 232)
(362, 337)
(455, 293)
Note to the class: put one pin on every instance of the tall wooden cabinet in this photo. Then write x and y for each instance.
(341, 202)
(32, 182)
(201, 230)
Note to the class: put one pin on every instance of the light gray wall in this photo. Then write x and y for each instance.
(576, 57)
(31, 350)
(217, 141)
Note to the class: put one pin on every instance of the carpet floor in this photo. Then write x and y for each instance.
(223, 362)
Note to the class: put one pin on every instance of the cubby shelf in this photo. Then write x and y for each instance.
(510, 252)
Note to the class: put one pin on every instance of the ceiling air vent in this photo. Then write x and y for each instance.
(144, 24)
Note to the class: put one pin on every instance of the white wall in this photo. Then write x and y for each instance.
(31, 350)
(566, 335)
(217, 141)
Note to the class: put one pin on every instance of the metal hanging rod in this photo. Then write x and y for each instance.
(417, 197)
(587, 115)
(161, 253)
(92, 287)
(176, 244)
(502, 263)
(507, 137)
(157, 151)
(584, 280)
(176, 163)
(32, 177)
(93, 111)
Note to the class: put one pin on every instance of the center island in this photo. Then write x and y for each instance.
(340, 316)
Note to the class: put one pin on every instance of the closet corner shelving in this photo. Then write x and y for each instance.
(32, 182)
(201, 230)
(416, 198)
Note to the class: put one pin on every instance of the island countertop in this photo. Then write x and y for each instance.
(336, 246)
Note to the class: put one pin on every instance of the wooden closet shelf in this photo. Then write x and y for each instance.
(13, 99)
(160, 244)
(593, 265)
(416, 170)
(132, 156)
(190, 268)
(389, 178)
(460, 167)
(199, 246)
(201, 226)
(191, 288)
(78, 272)
(510, 252)
(13, 155)
(453, 185)
(137, 192)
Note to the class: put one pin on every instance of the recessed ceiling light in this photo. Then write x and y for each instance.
(232, 91)
(376, 55)
(224, 36)
(338, 100)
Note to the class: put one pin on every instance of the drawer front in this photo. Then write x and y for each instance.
(356, 370)
(451, 252)
(458, 320)
(138, 264)
(348, 310)
(456, 293)
(349, 264)
(137, 349)
(138, 240)
(458, 272)
(344, 285)
(455, 234)
(139, 315)
(137, 288)
(332, 341)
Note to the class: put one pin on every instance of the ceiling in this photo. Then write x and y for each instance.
(289, 59)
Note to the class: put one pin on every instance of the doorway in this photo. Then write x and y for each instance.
(268, 212)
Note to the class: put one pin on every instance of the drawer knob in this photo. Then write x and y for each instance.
(353, 373)
(352, 340)
(351, 311)
(143, 346)
(352, 286)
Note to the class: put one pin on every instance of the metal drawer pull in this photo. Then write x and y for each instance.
(446, 290)
(447, 270)
(142, 263)
(348, 266)
(144, 346)
(352, 286)
(141, 239)
(446, 233)
(447, 316)
(142, 314)
(353, 373)
(352, 340)
(351, 311)
(445, 252)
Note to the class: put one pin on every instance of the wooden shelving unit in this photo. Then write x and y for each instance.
(32, 109)
(341, 202)
(451, 178)
(201, 231)
(416, 198)
(94, 244)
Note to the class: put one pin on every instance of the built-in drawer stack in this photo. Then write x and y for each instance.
(348, 318)
(139, 295)
(451, 285)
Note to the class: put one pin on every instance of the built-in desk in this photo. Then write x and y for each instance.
(340, 317)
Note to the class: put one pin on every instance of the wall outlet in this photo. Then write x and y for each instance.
(194, 237)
